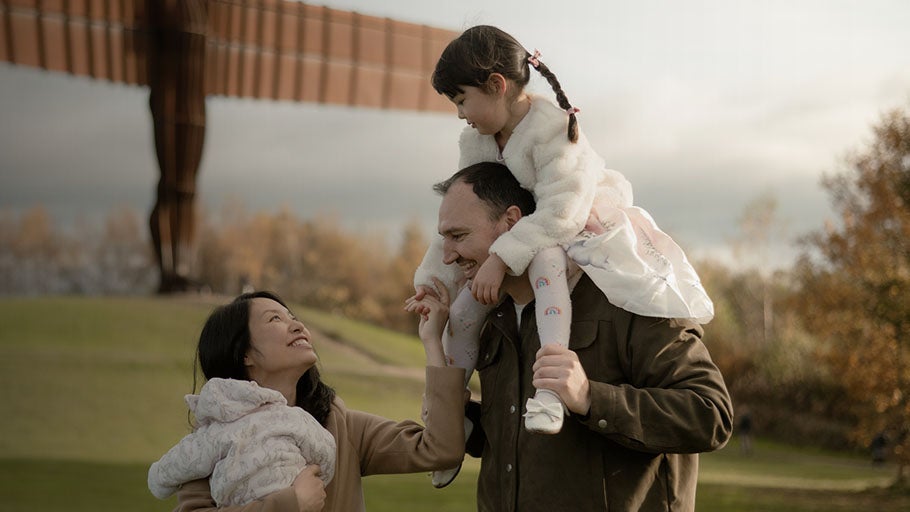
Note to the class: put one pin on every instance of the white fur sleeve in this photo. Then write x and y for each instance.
(565, 188)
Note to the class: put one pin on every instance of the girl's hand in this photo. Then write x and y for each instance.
(486, 284)
(309, 489)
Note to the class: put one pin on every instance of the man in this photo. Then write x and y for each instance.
(642, 393)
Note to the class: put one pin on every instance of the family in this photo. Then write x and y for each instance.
(581, 317)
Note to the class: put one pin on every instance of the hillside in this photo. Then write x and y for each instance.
(91, 392)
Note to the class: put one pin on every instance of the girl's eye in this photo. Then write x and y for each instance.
(274, 317)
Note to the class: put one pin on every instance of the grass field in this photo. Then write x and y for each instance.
(91, 393)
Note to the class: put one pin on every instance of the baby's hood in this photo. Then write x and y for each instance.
(225, 400)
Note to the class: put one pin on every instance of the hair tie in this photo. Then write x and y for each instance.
(572, 110)
(533, 59)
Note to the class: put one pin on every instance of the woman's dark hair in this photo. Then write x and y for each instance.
(225, 340)
(493, 184)
(480, 51)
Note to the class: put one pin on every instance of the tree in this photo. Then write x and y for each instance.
(855, 284)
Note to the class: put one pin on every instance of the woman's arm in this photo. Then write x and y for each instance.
(197, 496)
(434, 313)
(306, 494)
(385, 446)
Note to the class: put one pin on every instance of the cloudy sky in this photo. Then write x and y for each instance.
(704, 105)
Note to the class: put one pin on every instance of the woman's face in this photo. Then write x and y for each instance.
(279, 343)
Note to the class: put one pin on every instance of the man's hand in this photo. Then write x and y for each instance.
(557, 368)
(485, 285)
(309, 489)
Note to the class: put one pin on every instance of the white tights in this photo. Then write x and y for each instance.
(553, 310)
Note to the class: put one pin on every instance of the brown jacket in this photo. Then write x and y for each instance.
(657, 400)
(370, 445)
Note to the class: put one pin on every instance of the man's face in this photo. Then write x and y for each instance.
(466, 228)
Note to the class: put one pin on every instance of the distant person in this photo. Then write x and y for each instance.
(583, 208)
(642, 393)
(257, 339)
(744, 429)
(877, 447)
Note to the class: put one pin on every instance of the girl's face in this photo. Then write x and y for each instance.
(279, 343)
(484, 111)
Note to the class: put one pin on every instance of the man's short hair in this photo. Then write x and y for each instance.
(495, 185)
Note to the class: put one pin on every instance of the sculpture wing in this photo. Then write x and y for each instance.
(265, 49)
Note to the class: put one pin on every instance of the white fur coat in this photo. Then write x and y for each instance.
(585, 208)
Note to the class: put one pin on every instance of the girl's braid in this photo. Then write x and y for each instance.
(560, 98)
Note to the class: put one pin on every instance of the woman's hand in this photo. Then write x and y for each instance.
(421, 292)
(434, 313)
(309, 489)
(485, 285)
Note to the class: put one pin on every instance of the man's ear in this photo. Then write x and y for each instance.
(512, 215)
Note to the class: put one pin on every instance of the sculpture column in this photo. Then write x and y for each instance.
(176, 76)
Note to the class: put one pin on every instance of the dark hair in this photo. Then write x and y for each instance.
(480, 51)
(225, 340)
(495, 185)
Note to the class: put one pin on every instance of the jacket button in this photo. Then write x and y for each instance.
(499, 314)
(508, 468)
(511, 409)
(602, 423)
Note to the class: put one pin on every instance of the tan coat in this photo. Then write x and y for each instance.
(370, 445)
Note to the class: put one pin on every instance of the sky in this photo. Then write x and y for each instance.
(704, 105)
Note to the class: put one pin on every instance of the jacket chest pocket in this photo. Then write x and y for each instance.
(490, 368)
(594, 357)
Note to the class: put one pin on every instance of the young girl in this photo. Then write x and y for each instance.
(247, 437)
(584, 210)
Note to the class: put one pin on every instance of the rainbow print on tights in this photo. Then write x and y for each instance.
(552, 310)
(541, 282)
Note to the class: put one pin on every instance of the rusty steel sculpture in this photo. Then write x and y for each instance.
(186, 50)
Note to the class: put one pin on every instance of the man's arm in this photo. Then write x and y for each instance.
(474, 443)
(675, 400)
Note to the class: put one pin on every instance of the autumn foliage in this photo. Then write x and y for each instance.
(316, 262)
(855, 285)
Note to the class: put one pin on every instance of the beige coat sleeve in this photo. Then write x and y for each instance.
(197, 496)
(388, 447)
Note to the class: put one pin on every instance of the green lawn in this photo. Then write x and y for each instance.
(91, 393)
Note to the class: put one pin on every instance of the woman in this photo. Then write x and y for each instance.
(256, 340)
